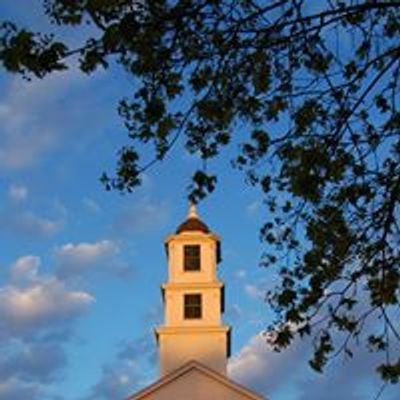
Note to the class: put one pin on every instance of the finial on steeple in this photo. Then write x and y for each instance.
(192, 211)
(192, 222)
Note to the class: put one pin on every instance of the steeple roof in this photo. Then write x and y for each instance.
(193, 222)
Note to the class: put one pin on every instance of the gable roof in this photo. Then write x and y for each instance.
(190, 366)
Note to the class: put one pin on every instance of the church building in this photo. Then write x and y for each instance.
(194, 343)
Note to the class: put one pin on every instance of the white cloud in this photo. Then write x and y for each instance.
(30, 224)
(24, 150)
(25, 268)
(133, 368)
(91, 205)
(24, 310)
(38, 362)
(257, 366)
(43, 225)
(141, 217)
(16, 389)
(254, 291)
(27, 129)
(254, 207)
(287, 374)
(80, 257)
(33, 223)
(116, 382)
(37, 117)
(233, 312)
(250, 361)
(87, 253)
(37, 314)
(25, 138)
(240, 274)
(21, 220)
(17, 193)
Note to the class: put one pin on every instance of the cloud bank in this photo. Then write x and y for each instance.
(37, 318)
(287, 374)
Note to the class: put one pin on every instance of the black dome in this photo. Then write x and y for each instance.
(193, 224)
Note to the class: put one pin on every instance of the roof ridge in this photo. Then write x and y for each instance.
(191, 364)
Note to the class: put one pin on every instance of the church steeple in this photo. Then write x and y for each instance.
(194, 343)
(193, 300)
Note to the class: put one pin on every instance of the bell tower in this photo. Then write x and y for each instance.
(193, 300)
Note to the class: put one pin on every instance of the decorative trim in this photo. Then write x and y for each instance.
(168, 330)
(191, 285)
(191, 235)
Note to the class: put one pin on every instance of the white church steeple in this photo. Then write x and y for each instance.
(194, 343)
(193, 300)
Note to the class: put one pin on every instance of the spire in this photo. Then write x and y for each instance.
(192, 211)
(193, 301)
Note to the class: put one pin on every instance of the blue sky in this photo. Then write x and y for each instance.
(80, 268)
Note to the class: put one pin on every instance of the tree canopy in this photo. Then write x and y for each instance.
(310, 90)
